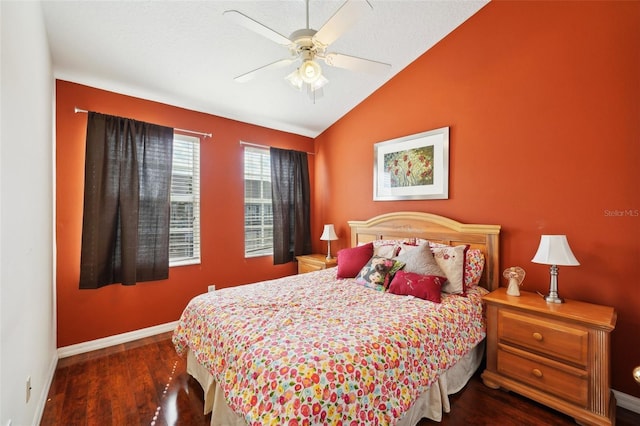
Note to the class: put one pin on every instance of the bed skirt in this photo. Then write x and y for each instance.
(431, 404)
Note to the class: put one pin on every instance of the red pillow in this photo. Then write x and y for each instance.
(425, 287)
(352, 260)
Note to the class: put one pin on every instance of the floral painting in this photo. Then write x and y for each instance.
(411, 167)
(414, 167)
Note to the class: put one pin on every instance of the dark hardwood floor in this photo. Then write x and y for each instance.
(145, 383)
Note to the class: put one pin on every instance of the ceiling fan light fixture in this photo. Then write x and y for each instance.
(295, 80)
(307, 45)
(310, 71)
(319, 83)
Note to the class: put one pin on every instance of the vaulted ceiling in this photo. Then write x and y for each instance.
(187, 53)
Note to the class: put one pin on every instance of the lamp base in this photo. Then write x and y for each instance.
(328, 249)
(550, 298)
(553, 297)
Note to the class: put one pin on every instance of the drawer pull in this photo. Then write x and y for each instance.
(536, 372)
(537, 336)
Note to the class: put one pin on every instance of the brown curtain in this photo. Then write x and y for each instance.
(125, 228)
(290, 197)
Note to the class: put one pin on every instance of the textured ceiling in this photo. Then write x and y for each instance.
(186, 53)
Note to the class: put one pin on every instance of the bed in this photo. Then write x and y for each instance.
(318, 348)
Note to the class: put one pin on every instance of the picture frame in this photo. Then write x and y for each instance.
(414, 167)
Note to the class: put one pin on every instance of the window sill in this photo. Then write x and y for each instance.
(252, 256)
(184, 262)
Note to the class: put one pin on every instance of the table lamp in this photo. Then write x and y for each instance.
(554, 250)
(328, 235)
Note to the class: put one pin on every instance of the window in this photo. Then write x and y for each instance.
(184, 233)
(258, 215)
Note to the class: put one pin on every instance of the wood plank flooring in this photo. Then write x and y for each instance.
(146, 383)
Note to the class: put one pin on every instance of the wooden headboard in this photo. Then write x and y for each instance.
(439, 229)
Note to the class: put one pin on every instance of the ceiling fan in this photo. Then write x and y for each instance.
(308, 46)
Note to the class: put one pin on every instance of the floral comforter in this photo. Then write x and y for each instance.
(313, 349)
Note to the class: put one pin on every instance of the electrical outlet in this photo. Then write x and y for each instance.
(212, 287)
(28, 388)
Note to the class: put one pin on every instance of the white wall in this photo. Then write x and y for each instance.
(27, 312)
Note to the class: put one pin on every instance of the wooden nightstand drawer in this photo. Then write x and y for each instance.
(555, 378)
(553, 338)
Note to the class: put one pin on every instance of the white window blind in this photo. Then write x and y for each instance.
(258, 214)
(184, 233)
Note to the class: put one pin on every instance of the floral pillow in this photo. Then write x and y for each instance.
(427, 287)
(351, 260)
(377, 272)
(451, 260)
(473, 266)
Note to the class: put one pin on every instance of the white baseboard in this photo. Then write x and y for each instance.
(42, 401)
(105, 342)
(626, 401)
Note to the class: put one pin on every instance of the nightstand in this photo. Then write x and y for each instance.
(314, 262)
(556, 354)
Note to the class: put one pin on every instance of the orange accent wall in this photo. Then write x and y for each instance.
(85, 315)
(543, 104)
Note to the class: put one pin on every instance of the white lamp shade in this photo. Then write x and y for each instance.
(328, 234)
(555, 250)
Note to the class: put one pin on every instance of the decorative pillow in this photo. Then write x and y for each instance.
(351, 260)
(385, 250)
(410, 241)
(451, 261)
(377, 272)
(409, 244)
(377, 243)
(427, 287)
(473, 266)
(421, 261)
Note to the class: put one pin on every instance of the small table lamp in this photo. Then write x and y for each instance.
(328, 235)
(554, 250)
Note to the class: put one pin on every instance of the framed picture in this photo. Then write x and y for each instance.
(414, 167)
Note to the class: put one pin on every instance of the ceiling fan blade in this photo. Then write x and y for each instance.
(255, 26)
(243, 78)
(341, 21)
(354, 63)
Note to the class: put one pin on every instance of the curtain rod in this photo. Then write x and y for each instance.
(193, 132)
(266, 147)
